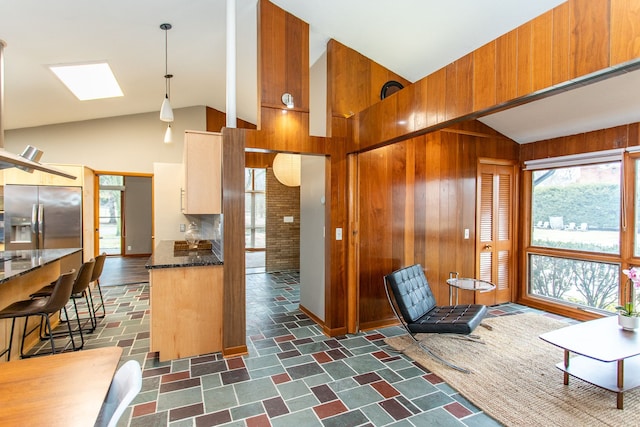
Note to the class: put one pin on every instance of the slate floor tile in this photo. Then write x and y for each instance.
(294, 375)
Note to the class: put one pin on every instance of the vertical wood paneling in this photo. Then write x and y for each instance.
(484, 76)
(506, 70)
(336, 255)
(542, 48)
(436, 97)
(560, 50)
(625, 30)
(464, 85)
(414, 202)
(271, 36)
(605, 139)
(405, 111)
(433, 187)
(561, 47)
(419, 105)
(524, 67)
(459, 90)
(283, 57)
(297, 61)
(409, 203)
(234, 300)
(356, 80)
(589, 42)
(420, 201)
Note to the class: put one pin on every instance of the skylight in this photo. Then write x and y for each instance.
(88, 81)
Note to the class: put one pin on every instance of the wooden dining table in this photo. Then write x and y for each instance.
(65, 389)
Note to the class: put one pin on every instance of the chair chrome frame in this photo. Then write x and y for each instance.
(398, 313)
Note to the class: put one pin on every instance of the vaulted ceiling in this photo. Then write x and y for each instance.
(410, 37)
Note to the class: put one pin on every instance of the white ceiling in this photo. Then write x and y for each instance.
(411, 37)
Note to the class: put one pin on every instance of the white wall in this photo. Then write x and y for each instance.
(312, 206)
(117, 144)
(318, 97)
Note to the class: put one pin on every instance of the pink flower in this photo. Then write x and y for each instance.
(634, 275)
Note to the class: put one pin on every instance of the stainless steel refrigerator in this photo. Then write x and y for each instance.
(43, 217)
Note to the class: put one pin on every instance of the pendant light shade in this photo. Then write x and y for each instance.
(168, 135)
(166, 112)
(286, 168)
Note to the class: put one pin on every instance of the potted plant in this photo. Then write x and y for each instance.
(628, 316)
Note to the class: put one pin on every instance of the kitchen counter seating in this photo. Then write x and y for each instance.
(21, 262)
(23, 272)
(185, 301)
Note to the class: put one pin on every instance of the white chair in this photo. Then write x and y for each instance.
(125, 386)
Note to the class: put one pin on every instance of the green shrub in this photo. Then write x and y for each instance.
(596, 204)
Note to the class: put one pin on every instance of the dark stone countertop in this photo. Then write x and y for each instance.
(165, 257)
(20, 262)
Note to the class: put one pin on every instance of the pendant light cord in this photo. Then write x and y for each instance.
(167, 76)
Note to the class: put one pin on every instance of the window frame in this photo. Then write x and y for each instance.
(627, 232)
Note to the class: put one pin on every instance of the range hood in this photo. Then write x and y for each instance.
(28, 160)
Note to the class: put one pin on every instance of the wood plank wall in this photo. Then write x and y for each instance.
(216, 120)
(415, 198)
(234, 296)
(577, 38)
(573, 43)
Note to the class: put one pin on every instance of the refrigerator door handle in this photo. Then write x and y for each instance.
(34, 222)
(40, 226)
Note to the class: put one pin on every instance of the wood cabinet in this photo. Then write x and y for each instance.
(202, 161)
(186, 311)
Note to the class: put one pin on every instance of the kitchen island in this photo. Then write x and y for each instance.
(185, 301)
(23, 272)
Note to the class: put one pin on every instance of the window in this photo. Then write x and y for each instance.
(574, 257)
(110, 215)
(587, 284)
(577, 208)
(255, 208)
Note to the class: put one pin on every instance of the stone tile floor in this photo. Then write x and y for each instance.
(294, 375)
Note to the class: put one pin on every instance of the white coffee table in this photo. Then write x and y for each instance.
(608, 357)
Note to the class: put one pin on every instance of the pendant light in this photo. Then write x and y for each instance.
(166, 113)
(286, 168)
(168, 135)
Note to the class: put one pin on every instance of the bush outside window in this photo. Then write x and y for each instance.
(576, 209)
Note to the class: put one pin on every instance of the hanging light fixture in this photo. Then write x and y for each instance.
(166, 113)
(286, 168)
(168, 135)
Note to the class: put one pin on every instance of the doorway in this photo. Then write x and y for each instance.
(495, 243)
(285, 225)
(255, 214)
(124, 209)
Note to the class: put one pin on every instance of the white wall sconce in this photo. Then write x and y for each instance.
(287, 99)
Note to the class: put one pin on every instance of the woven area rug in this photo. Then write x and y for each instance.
(514, 378)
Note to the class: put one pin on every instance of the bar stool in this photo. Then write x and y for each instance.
(95, 278)
(79, 291)
(43, 307)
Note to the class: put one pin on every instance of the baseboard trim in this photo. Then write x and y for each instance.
(240, 350)
(313, 317)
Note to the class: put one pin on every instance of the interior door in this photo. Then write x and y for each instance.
(495, 261)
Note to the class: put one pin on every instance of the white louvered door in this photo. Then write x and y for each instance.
(494, 244)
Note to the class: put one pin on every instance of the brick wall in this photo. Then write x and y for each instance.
(282, 238)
